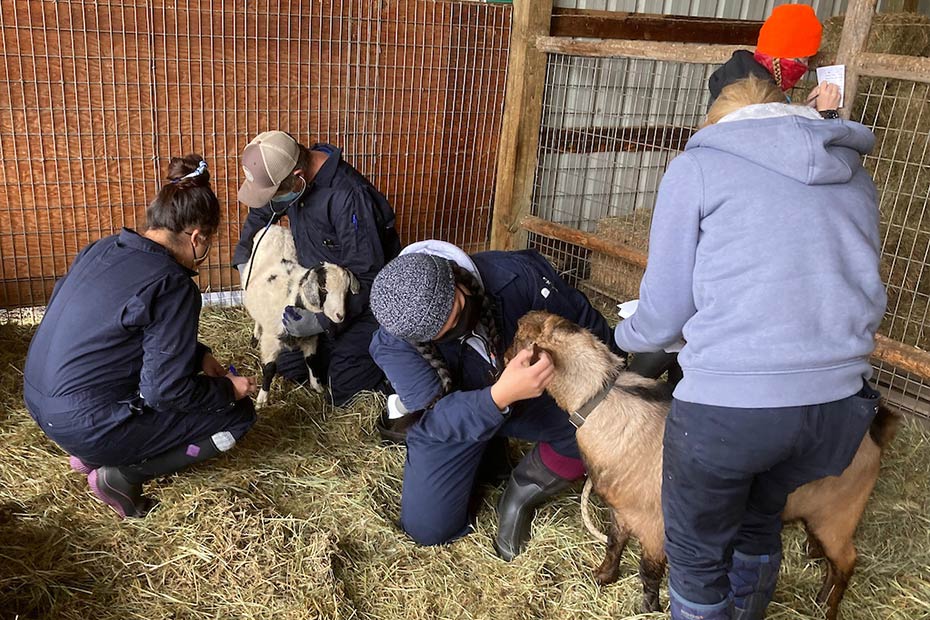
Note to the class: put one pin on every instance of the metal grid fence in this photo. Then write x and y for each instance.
(898, 112)
(609, 128)
(611, 125)
(96, 97)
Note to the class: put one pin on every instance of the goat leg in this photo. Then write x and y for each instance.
(814, 547)
(651, 571)
(269, 370)
(617, 536)
(839, 571)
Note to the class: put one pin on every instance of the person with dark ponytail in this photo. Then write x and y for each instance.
(115, 374)
(446, 319)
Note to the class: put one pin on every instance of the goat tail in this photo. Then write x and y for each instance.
(884, 426)
(586, 513)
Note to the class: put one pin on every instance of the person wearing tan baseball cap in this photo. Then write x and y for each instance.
(337, 216)
(267, 162)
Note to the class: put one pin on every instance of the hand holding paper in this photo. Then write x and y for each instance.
(832, 74)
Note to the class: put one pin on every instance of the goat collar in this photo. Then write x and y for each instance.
(578, 417)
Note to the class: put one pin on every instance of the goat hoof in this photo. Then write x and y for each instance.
(605, 576)
(261, 399)
(650, 605)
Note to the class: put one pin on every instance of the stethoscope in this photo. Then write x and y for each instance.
(275, 216)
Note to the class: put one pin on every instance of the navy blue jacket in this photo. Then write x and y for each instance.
(519, 282)
(122, 323)
(341, 219)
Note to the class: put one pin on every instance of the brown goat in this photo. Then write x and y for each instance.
(621, 444)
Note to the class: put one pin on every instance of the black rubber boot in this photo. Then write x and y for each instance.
(121, 487)
(495, 466)
(531, 484)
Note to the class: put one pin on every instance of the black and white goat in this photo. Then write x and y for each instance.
(273, 280)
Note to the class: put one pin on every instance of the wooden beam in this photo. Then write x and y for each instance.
(649, 27)
(902, 356)
(585, 240)
(516, 155)
(614, 139)
(913, 68)
(699, 53)
(856, 28)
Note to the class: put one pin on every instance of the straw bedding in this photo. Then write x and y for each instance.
(299, 522)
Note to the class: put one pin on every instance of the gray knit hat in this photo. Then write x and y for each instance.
(412, 296)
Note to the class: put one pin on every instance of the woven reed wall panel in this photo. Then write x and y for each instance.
(96, 97)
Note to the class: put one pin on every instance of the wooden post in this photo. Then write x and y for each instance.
(856, 28)
(516, 151)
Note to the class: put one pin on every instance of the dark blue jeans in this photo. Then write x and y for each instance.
(727, 474)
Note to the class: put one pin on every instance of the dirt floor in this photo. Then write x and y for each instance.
(299, 522)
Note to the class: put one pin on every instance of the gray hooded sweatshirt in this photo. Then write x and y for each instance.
(764, 257)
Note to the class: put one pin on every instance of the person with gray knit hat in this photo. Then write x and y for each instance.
(445, 321)
(413, 299)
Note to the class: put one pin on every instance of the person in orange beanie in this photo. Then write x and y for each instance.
(787, 39)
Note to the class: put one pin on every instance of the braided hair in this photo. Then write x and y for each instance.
(488, 321)
(776, 71)
(186, 200)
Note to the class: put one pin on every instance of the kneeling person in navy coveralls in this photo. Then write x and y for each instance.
(336, 216)
(115, 375)
(446, 319)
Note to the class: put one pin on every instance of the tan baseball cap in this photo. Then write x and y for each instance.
(268, 159)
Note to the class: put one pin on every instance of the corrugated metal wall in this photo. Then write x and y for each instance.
(95, 97)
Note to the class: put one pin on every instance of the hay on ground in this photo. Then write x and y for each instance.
(298, 521)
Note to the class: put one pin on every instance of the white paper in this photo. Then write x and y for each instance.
(835, 74)
(626, 310)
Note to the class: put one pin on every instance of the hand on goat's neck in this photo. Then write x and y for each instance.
(581, 370)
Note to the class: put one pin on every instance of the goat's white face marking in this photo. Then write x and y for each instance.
(339, 284)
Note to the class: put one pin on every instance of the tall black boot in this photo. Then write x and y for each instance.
(120, 487)
(531, 484)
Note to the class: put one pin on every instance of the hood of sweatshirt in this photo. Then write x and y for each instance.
(824, 151)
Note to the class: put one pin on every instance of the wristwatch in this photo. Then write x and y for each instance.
(829, 114)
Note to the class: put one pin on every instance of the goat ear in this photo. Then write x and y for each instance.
(311, 290)
(535, 357)
(353, 283)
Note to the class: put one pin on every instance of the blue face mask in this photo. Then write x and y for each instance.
(290, 197)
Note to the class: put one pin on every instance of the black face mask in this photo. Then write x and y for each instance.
(468, 319)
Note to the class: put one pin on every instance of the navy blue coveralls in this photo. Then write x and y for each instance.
(113, 371)
(444, 448)
(341, 219)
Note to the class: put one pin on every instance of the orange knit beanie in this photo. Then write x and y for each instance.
(791, 31)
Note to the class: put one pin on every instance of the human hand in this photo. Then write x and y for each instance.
(300, 322)
(523, 379)
(242, 386)
(824, 96)
(211, 367)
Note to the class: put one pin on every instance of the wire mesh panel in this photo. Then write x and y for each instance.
(609, 128)
(898, 112)
(96, 97)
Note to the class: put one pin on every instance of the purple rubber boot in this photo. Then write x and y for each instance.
(111, 487)
(79, 466)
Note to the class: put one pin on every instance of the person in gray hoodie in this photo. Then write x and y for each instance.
(764, 259)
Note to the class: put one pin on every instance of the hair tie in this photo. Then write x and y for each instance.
(201, 168)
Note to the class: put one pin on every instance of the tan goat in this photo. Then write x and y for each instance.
(621, 444)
